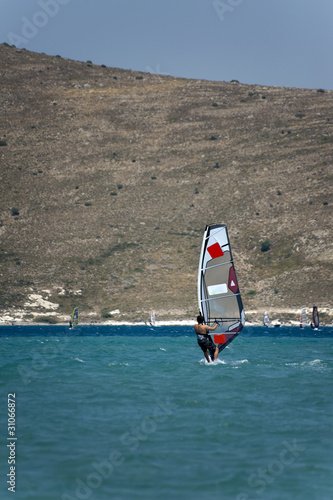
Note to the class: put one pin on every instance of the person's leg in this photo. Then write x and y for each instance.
(213, 351)
(203, 346)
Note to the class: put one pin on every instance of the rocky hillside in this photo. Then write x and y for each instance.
(108, 178)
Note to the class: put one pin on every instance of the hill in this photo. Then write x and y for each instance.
(109, 177)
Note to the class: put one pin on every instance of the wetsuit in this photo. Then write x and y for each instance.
(206, 343)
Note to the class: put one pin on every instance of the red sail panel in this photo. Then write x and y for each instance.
(224, 340)
(215, 251)
(219, 339)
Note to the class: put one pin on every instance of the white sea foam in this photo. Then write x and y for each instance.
(212, 363)
(315, 362)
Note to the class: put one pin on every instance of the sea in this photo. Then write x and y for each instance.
(135, 413)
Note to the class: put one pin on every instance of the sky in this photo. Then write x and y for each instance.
(284, 43)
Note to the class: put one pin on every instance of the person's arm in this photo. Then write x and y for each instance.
(211, 327)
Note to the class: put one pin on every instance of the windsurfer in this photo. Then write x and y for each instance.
(205, 340)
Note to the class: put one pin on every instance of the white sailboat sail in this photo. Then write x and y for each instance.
(303, 318)
(153, 318)
(219, 298)
(267, 320)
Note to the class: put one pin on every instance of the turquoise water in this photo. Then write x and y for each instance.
(128, 413)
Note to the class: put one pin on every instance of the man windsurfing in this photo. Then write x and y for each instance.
(205, 340)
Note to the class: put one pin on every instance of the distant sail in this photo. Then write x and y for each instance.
(153, 318)
(267, 320)
(218, 293)
(303, 320)
(75, 317)
(315, 317)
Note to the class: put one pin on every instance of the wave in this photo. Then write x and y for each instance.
(117, 364)
(315, 363)
(224, 362)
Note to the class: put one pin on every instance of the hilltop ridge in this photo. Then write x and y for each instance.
(109, 177)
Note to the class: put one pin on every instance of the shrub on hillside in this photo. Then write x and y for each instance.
(265, 246)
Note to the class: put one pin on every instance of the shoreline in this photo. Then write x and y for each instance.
(157, 325)
(279, 316)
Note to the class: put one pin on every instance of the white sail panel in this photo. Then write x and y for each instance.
(218, 289)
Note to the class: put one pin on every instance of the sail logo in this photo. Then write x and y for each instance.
(233, 285)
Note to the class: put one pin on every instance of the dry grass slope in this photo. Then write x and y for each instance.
(108, 178)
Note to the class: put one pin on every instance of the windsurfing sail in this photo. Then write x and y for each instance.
(315, 317)
(267, 320)
(303, 319)
(153, 318)
(219, 298)
(75, 317)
